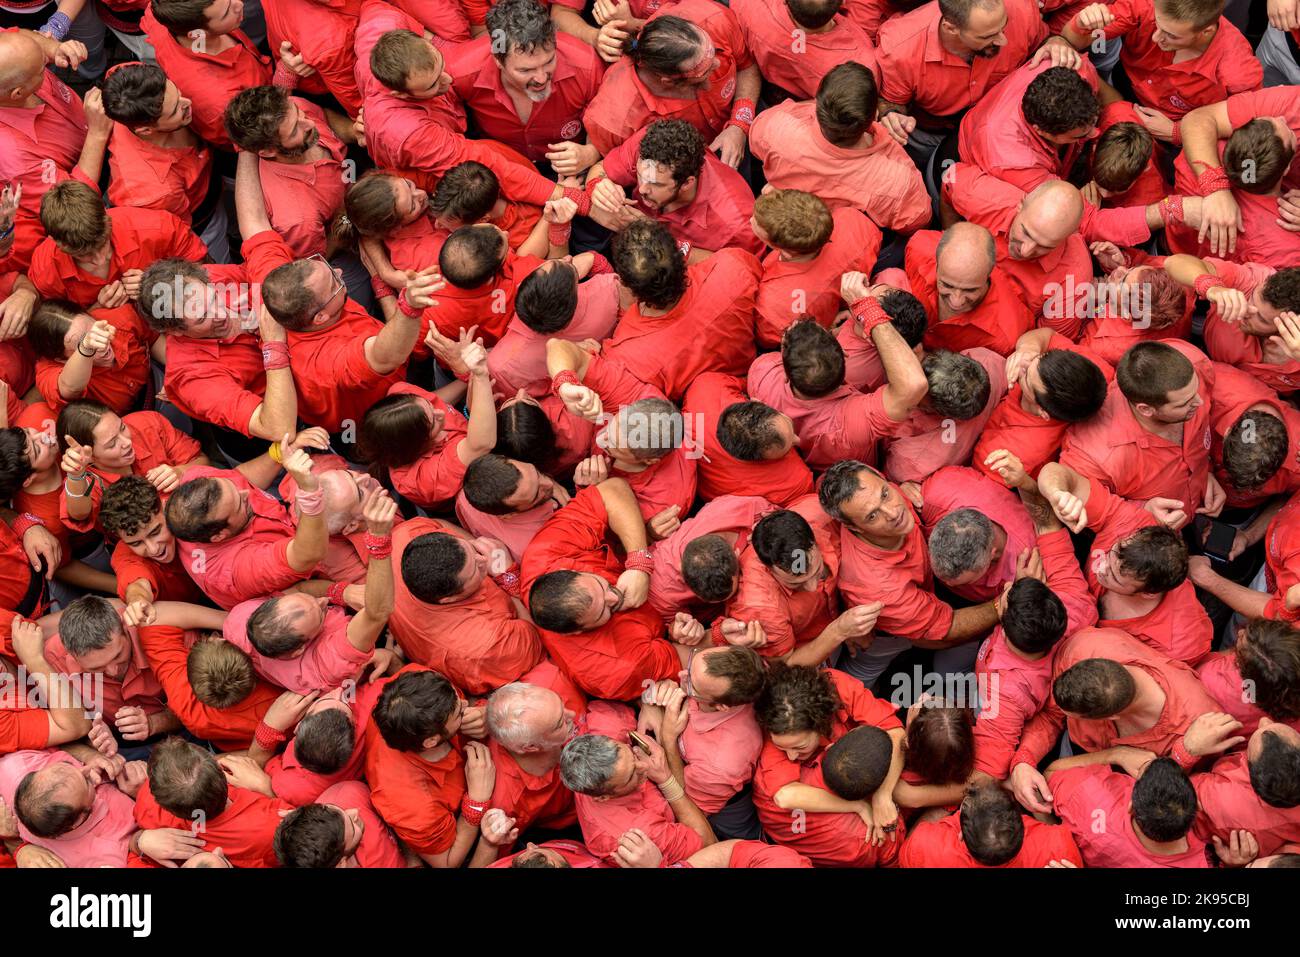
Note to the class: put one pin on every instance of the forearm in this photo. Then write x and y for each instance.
(183, 615)
(928, 795)
(805, 797)
(481, 436)
(278, 412)
(1185, 269)
(261, 471)
(563, 355)
(138, 590)
(485, 853)
(91, 160)
(887, 107)
(1055, 477)
(905, 381)
(162, 722)
(896, 736)
(571, 22)
(819, 649)
(250, 207)
(392, 347)
(1243, 600)
(967, 623)
(538, 242)
(687, 812)
(365, 628)
(749, 83)
(624, 514)
(1200, 135)
(309, 543)
(75, 375)
(79, 499)
(1104, 756)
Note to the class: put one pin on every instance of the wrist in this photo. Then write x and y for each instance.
(25, 522)
(1205, 282)
(642, 560)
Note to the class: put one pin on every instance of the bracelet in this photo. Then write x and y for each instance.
(276, 453)
(380, 288)
(557, 234)
(27, 521)
(742, 115)
(406, 307)
(869, 312)
(470, 812)
(563, 377)
(1177, 134)
(85, 355)
(335, 593)
(1211, 181)
(57, 26)
(641, 560)
(379, 546)
(672, 790)
(600, 266)
(581, 197)
(268, 738)
(1205, 282)
(7, 233)
(715, 633)
(275, 355)
(508, 581)
(284, 78)
(311, 503)
(70, 493)
(1171, 209)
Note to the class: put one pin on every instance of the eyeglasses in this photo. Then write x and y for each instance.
(687, 685)
(339, 285)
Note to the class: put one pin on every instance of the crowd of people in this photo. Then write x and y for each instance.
(649, 433)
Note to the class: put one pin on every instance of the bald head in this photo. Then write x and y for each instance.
(21, 63)
(1047, 217)
(964, 261)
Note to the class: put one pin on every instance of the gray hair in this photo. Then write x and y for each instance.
(960, 542)
(650, 428)
(587, 762)
(519, 26)
(88, 624)
(508, 710)
(839, 484)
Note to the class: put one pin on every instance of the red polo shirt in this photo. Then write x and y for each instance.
(23, 729)
(996, 322)
(1115, 450)
(614, 660)
(334, 379)
(668, 352)
(323, 32)
(446, 21)
(625, 104)
(1151, 185)
(170, 582)
(576, 81)
(937, 85)
(140, 237)
(789, 291)
(488, 306)
(210, 81)
(301, 198)
(1033, 439)
(1244, 107)
(436, 476)
(117, 386)
(296, 785)
(1282, 557)
(1236, 392)
(245, 830)
(156, 177)
(40, 147)
(1227, 66)
(798, 68)
(138, 686)
(718, 217)
(939, 844)
(1227, 802)
(1255, 355)
(781, 481)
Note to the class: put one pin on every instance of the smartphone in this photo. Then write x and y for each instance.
(1217, 538)
(638, 742)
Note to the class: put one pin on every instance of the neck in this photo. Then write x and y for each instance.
(538, 763)
(1166, 430)
(1144, 711)
(884, 544)
(788, 257)
(954, 46)
(435, 754)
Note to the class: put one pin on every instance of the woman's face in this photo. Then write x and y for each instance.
(42, 449)
(113, 446)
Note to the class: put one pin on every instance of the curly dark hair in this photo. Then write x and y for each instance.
(519, 26)
(127, 505)
(796, 699)
(1058, 100)
(252, 119)
(677, 145)
(648, 262)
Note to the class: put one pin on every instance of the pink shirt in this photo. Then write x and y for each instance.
(605, 821)
(927, 442)
(518, 360)
(39, 147)
(843, 425)
(1222, 679)
(325, 662)
(798, 68)
(721, 751)
(1229, 803)
(880, 180)
(102, 840)
(1089, 795)
(515, 529)
(138, 686)
(957, 487)
(250, 564)
(378, 847)
(669, 592)
(301, 198)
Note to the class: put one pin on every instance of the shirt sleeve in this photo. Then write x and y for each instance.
(1040, 734)
(864, 707)
(998, 731)
(265, 252)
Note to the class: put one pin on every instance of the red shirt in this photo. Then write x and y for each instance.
(792, 290)
(879, 179)
(230, 728)
(737, 514)
(480, 643)
(1226, 342)
(419, 799)
(1115, 450)
(827, 839)
(138, 686)
(939, 844)
(625, 104)
(613, 660)
(444, 18)
(140, 237)
(40, 147)
(157, 177)
(1084, 796)
(323, 32)
(208, 80)
(1185, 700)
(718, 217)
(667, 352)
(1281, 551)
(297, 785)
(1150, 185)
(117, 386)
(936, 85)
(1222, 679)
(23, 729)
(1244, 107)
(576, 81)
(488, 306)
(1237, 392)
(1228, 803)
(996, 322)
(334, 379)
(378, 847)
(798, 68)
(778, 480)
(996, 136)
(436, 476)
(845, 424)
(900, 579)
(301, 198)
(1032, 438)
(170, 582)
(245, 830)
(1227, 66)
(155, 441)
(574, 853)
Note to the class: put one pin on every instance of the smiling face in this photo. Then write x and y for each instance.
(177, 111)
(42, 449)
(530, 73)
(409, 200)
(603, 600)
(152, 540)
(798, 745)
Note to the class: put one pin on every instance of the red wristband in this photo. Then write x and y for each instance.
(275, 355)
(581, 197)
(267, 737)
(470, 812)
(600, 265)
(406, 307)
(335, 594)
(564, 377)
(284, 78)
(381, 289)
(641, 560)
(1205, 282)
(25, 523)
(508, 581)
(715, 632)
(557, 234)
(1211, 181)
(742, 114)
(378, 546)
(869, 312)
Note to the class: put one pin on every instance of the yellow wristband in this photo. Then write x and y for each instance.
(274, 451)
